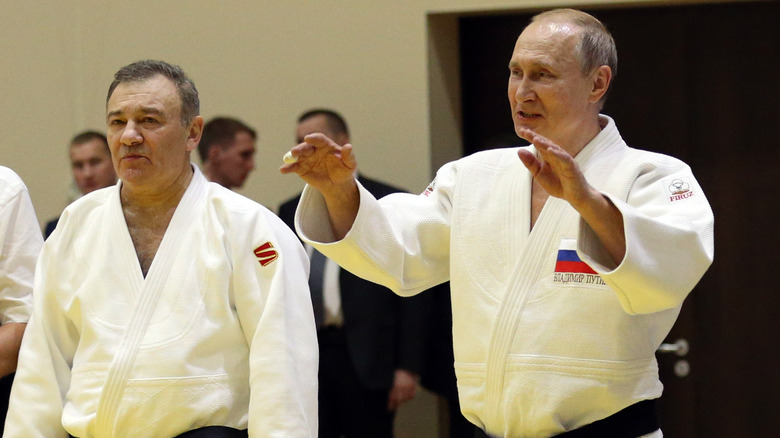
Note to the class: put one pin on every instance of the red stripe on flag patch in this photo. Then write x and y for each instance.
(579, 267)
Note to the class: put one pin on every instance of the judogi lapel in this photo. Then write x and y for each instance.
(149, 290)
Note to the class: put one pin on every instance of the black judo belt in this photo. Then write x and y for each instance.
(211, 432)
(215, 432)
(632, 422)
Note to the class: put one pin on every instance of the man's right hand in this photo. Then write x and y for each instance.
(331, 169)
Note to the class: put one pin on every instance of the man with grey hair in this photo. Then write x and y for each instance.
(568, 259)
(167, 305)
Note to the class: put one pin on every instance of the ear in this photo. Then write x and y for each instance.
(194, 133)
(601, 79)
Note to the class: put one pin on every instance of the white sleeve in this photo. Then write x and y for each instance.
(20, 244)
(400, 241)
(45, 359)
(274, 307)
(669, 240)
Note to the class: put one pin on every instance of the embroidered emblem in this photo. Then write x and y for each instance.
(266, 254)
(569, 268)
(428, 190)
(679, 189)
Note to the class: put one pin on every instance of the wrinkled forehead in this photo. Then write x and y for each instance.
(552, 31)
(157, 93)
(89, 148)
(549, 38)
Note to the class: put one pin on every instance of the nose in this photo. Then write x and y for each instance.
(524, 89)
(89, 170)
(130, 134)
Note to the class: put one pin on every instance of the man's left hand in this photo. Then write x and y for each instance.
(404, 389)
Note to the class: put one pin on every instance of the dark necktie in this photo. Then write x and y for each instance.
(316, 274)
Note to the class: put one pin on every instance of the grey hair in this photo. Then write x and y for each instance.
(143, 70)
(596, 46)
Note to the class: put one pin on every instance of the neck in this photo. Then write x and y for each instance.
(155, 199)
(211, 175)
(580, 135)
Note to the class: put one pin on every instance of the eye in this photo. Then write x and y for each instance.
(545, 74)
(116, 122)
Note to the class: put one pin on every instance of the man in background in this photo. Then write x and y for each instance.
(372, 342)
(20, 243)
(227, 151)
(90, 163)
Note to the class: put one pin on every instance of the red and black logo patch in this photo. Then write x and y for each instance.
(266, 254)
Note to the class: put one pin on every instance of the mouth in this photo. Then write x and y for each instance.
(522, 115)
(132, 158)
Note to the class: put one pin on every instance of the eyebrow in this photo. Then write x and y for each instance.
(534, 63)
(142, 110)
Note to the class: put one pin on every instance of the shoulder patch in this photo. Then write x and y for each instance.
(266, 254)
(679, 189)
(428, 190)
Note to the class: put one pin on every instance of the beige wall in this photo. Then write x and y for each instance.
(262, 60)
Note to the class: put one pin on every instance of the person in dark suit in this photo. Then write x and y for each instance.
(372, 345)
(227, 151)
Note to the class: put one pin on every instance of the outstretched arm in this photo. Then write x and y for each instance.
(557, 172)
(330, 169)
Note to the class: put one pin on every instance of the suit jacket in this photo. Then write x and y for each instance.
(50, 226)
(384, 331)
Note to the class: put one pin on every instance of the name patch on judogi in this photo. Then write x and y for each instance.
(569, 268)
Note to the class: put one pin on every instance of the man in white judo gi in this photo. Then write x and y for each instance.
(20, 244)
(166, 304)
(568, 259)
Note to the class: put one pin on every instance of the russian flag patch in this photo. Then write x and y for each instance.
(569, 261)
(569, 268)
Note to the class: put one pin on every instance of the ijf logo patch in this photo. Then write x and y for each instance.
(569, 268)
(679, 189)
(266, 254)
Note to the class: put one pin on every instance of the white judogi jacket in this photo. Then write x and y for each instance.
(541, 345)
(20, 244)
(220, 331)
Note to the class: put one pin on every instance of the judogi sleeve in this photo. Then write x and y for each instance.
(668, 225)
(274, 307)
(20, 244)
(400, 242)
(45, 359)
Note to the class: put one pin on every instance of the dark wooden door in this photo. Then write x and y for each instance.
(702, 83)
